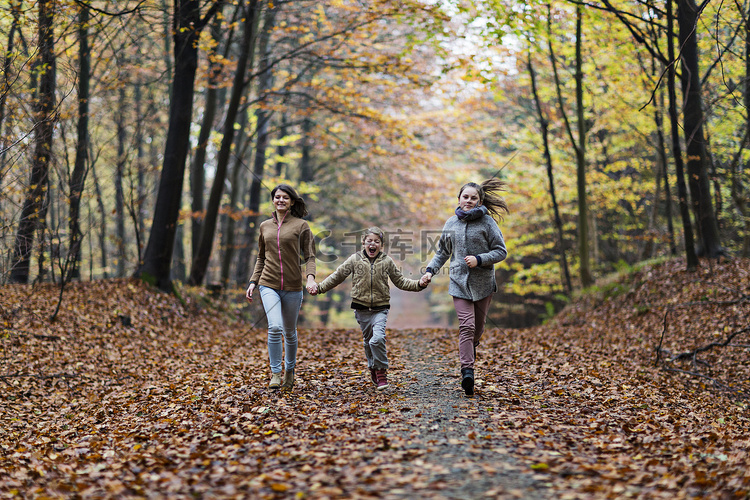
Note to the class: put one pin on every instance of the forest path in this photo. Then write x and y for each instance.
(462, 455)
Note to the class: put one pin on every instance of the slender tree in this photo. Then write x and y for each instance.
(188, 24)
(80, 165)
(34, 207)
(695, 142)
(579, 143)
(197, 166)
(201, 259)
(691, 257)
(544, 126)
(15, 7)
(119, 179)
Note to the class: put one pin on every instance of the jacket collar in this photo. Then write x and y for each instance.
(377, 257)
(275, 217)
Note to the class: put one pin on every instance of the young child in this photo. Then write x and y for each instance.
(370, 270)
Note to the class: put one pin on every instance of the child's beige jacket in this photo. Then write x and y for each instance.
(370, 287)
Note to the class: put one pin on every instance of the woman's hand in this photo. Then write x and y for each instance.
(471, 261)
(312, 287)
(425, 279)
(249, 293)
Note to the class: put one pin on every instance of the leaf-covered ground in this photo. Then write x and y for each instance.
(132, 393)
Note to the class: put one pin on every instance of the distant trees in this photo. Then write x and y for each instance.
(34, 209)
(389, 105)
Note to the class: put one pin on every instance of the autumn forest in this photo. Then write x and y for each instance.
(144, 138)
(140, 141)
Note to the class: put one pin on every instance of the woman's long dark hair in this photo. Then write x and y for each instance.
(299, 208)
(489, 195)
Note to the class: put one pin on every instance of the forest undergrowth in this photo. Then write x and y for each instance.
(639, 389)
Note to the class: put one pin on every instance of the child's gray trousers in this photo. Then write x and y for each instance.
(372, 324)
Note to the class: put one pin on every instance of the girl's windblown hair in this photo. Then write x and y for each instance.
(489, 195)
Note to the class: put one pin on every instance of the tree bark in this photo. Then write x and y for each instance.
(577, 144)
(201, 259)
(695, 142)
(34, 207)
(7, 76)
(80, 165)
(687, 228)
(197, 167)
(119, 191)
(103, 262)
(665, 174)
(262, 139)
(305, 162)
(543, 124)
(155, 268)
(583, 210)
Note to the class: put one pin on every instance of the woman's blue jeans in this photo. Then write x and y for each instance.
(282, 310)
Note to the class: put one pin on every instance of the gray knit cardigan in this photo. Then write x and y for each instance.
(481, 238)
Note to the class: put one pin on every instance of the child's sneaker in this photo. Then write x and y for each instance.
(373, 376)
(382, 379)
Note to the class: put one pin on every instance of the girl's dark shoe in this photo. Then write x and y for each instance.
(373, 376)
(467, 381)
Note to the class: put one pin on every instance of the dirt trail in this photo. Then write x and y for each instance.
(411, 310)
(463, 456)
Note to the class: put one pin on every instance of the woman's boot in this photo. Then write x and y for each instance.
(275, 381)
(288, 379)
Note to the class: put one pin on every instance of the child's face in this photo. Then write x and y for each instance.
(469, 199)
(371, 245)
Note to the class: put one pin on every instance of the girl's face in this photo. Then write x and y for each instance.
(371, 245)
(469, 199)
(282, 201)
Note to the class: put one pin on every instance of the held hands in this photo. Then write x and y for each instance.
(425, 279)
(312, 286)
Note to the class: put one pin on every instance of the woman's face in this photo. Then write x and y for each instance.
(469, 198)
(282, 201)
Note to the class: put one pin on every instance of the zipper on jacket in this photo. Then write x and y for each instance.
(372, 273)
(278, 247)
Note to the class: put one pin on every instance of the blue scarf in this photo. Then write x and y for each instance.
(473, 214)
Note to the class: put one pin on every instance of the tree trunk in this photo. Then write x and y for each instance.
(155, 268)
(197, 167)
(7, 77)
(687, 228)
(583, 211)
(281, 148)
(140, 194)
(119, 192)
(695, 142)
(80, 165)
(237, 187)
(577, 144)
(102, 224)
(34, 207)
(305, 162)
(739, 191)
(201, 259)
(262, 119)
(543, 124)
(664, 172)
